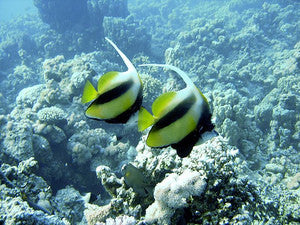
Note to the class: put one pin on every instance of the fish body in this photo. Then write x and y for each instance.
(134, 178)
(118, 94)
(179, 118)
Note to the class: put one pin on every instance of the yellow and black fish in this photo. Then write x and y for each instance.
(119, 94)
(179, 118)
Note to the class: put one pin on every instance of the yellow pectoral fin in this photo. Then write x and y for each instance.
(162, 102)
(145, 119)
(105, 81)
(89, 93)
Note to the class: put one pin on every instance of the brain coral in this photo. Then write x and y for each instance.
(52, 115)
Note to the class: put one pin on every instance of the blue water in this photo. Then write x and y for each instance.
(11, 9)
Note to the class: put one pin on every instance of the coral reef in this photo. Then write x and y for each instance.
(58, 167)
(70, 203)
(96, 147)
(79, 14)
(124, 220)
(193, 184)
(131, 35)
(20, 188)
(277, 115)
(151, 88)
(62, 15)
(51, 115)
(98, 9)
(17, 143)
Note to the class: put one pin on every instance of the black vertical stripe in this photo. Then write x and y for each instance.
(175, 114)
(124, 117)
(114, 93)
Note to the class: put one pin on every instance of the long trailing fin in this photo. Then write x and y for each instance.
(89, 93)
(145, 119)
(123, 56)
(182, 74)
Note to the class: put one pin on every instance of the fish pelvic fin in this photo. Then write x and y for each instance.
(145, 119)
(89, 93)
(181, 73)
(127, 62)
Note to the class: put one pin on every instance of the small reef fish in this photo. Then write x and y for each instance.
(118, 95)
(179, 118)
(134, 178)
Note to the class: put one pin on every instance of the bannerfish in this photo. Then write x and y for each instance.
(179, 118)
(119, 94)
(134, 178)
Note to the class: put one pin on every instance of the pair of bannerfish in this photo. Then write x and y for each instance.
(179, 118)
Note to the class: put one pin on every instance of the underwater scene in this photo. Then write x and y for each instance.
(165, 112)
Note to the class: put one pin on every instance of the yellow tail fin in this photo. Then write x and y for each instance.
(145, 119)
(89, 93)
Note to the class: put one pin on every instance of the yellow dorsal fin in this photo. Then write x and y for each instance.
(145, 119)
(162, 102)
(89, 93)
(104, 83)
